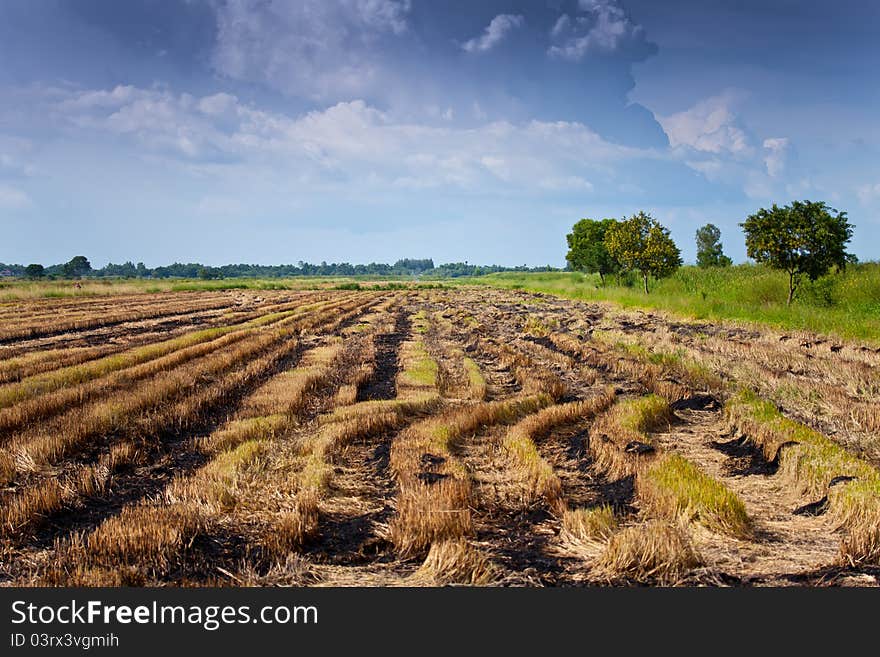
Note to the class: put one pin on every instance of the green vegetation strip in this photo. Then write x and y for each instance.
(844, 304)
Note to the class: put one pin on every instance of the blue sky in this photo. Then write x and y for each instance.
(272, 131)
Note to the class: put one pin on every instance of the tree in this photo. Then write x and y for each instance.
(586, 248)
(78, 266)
(34, 271)
(642, 244)
(806, 238)
(710, 252)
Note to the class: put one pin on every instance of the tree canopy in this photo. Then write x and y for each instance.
(805, 238)
(34, 271)
(642, 244)
(586, 248)
(77, 266)
(710, 252)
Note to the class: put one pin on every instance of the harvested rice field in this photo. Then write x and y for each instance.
(462, 436)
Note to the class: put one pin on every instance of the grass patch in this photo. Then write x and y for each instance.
(402, 407)
(811, 462)
(420, 370)
(677, 488)
(619, 437)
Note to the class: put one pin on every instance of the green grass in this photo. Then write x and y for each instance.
(18, 289)
(644, 414)
(675, 487)
(421, 369)
(811, 459)
(846, 305)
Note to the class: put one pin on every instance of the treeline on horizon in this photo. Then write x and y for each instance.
(80, 267)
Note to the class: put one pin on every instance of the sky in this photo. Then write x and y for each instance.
(274, 131)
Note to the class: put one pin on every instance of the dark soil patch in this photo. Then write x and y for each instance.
(382, 385)
(745, 458)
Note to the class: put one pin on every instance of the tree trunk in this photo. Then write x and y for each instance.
(602, 279)
(645, 278)
(790, 288)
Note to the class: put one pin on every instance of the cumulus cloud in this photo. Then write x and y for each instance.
(599, 26)
(776, 152)
(495, 32)
(710, 126)
(709, 137)
(160, 120)
(319, 49)
(346, 142)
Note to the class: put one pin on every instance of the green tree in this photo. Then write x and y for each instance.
(642, 244)
(78, 266)
(586, 248)
(209, 273)
(710, 252)
(806, 238)
(34, 271)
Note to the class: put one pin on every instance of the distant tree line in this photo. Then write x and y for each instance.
(79, 267)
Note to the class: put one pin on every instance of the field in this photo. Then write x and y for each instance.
(845, 304)
(427, 437)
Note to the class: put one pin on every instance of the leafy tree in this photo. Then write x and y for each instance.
(806, 238)
(78, 266)
(209, 273)
(586, 248)
(34, 271)
(642, 244)
(710, 252)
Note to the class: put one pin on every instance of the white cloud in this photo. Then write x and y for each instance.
(160, 120)
(218, 104)
(498, 28)
(709, 126)
(709, 137)
(774, 159)
(12, 198)
(602, 26)
(318, 49)
(349, 143)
